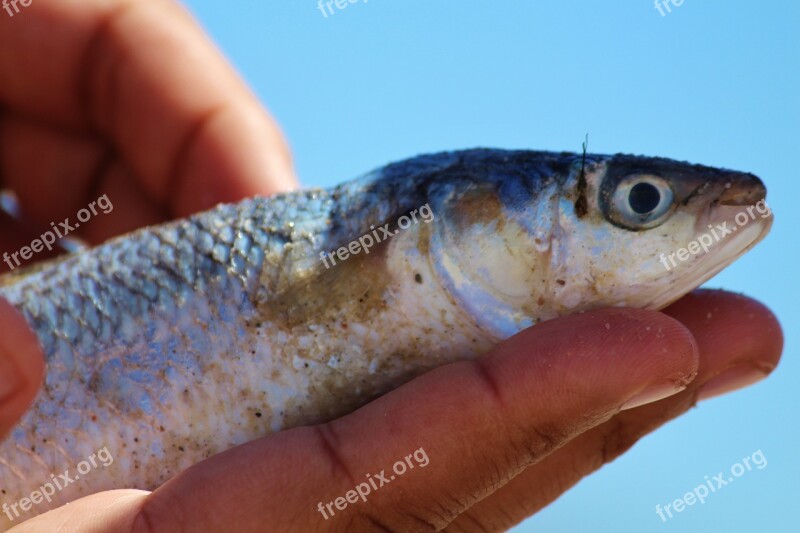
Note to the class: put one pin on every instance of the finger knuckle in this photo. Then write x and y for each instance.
(330, 444)
(616, 440)
(540, 439)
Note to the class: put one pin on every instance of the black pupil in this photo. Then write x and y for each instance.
(643, 198)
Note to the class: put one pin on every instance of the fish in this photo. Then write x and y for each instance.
(176, 342)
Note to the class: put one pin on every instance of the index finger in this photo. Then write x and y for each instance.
(143, 74)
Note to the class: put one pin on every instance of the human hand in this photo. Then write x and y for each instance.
(131, 100)
(502, 436)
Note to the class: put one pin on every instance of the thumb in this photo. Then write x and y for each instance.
(21, 367)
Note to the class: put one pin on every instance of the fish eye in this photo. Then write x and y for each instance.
(642, 201)
(644, 198)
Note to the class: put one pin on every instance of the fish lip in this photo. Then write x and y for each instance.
(714, 263)
(742, 190)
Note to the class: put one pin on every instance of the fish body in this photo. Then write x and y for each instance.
(176, 342)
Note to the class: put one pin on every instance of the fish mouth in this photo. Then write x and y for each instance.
(739, 239)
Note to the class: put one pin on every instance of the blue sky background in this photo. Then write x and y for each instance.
(714, 82)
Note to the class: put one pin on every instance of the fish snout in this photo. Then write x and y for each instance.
(743, 189)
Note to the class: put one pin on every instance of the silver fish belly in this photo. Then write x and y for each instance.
(176, 342)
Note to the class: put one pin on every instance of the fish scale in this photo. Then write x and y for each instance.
(176, 342)
(125, 324)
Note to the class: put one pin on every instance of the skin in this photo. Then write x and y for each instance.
(506, 434)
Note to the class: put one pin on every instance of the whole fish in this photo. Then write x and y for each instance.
(176, 342)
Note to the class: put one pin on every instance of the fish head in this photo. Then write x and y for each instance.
(540, 235)
(642, 232)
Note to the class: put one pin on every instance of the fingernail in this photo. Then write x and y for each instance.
(654, 393)
(730, 380)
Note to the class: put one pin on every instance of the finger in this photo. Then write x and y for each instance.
(743, 340)
(21, 367)
(732, 332)
(37, 162)
(514, 407)
(39, 181)
(144, 74)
